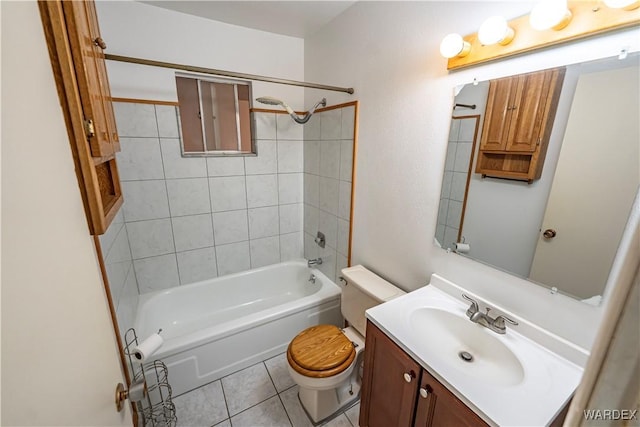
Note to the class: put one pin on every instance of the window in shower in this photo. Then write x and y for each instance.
(215, 116)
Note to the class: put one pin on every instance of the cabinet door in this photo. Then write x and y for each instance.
(390, 383)
(498, 113)
(88, 59)
(527, 111)
(438, 407)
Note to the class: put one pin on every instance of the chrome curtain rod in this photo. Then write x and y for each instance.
(224, 73)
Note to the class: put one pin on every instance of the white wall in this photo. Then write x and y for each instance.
(143, 31)
(388, 51)
(59, 357)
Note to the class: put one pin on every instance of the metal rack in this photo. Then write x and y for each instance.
(156, 409)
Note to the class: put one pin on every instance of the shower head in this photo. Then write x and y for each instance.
(268, 100)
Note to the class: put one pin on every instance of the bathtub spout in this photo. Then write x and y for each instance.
(313, 262)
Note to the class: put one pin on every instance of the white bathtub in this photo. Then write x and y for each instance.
(218, 326)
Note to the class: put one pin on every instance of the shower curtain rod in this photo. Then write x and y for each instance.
(224, 73)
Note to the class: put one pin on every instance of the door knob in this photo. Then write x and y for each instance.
(549, 233)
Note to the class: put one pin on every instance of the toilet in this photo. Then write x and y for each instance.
(326, 361)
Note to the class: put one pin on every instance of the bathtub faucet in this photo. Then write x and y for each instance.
(316, 261)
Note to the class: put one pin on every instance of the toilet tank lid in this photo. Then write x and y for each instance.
(370, 283)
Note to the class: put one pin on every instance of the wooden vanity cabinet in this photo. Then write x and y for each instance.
(396, 391)
(517, 124)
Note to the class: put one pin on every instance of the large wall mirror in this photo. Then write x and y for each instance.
(562, 229)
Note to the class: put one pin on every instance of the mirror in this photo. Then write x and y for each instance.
(563, 229)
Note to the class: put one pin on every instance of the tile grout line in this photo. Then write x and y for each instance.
(277, 392)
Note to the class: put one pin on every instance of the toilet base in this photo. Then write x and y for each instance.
(322, 405)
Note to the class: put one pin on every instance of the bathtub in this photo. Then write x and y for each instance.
(218, 326)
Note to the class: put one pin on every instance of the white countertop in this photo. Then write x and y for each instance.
(548, 380)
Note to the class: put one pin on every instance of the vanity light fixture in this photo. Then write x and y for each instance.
(622, 4)
(550, 14)
(495, 30)
(453, 45)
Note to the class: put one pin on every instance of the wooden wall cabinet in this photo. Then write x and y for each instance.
(75, 50)
(396, 391)
(517, 124)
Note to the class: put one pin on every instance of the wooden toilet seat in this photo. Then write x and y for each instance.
(320, 351)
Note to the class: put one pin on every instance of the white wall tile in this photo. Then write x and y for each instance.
(451, 156)
(341, 262)
(344, 200)
(135, 120)
(130, 289)
(139, 158)
(265, 162)
(346, 160)
(127, 303)
(343, 237)
(120, 250)
(454, 213)
(117, 275)
(291, 246)
(145, 200)
(311, 129)
(311, 219)
(440, 233)
(233, 258)
(262, 190)
(230, 226)
(467, 129)
(329, 192)
(311, 154)
(450, 237)
(348, 122)
(265, 125)
(176, 166)
(291, 217)
(330, 159)
(225, 166)
(454, 130)
(331, 124)
(328, 224)
(107, 239)
(192, 232)
(228, 193)
(197, 265)
(290, 156)
(265, 251)
(328, 266)
(156, 273)
(263, 222)
(290, 188)
(311, 249)
(167, 117)
(443, 208)
(463, 156)
(311, 189)
(150, 238)
(446, 184)
(458, 186)
(189, 196)
(287, 128)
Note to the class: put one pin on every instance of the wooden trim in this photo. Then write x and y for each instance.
(585, 23)
(470, 171)
(356, 128)
(144, 101)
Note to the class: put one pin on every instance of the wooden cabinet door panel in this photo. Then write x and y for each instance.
(497, 116)
(90, 74)
(441, 408)
(387, 398)
(527, 111)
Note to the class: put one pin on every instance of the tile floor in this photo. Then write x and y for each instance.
(261, 395)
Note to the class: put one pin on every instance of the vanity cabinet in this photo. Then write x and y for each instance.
(396, 391)
(517, 124)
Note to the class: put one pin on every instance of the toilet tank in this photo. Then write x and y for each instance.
(364, 289)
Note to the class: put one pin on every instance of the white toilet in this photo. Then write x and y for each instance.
(326, 361)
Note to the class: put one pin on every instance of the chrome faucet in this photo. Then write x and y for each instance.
(496, 324)
(316, 261)
(312, 278)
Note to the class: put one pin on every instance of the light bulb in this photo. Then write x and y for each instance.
(622, 4)
(454, 45)
(550, 14)
(495, 30)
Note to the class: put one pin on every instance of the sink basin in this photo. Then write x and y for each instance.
(466, 346)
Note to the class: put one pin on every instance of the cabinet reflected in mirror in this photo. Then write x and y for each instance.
(563, 229)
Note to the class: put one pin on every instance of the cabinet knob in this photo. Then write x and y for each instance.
(408, 376)
(424, 393)
(549, 233)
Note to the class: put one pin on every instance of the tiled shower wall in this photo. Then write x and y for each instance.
(454, 182)
(328, 166)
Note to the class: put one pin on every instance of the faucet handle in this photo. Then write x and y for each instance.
(474, 304)
(498, 322)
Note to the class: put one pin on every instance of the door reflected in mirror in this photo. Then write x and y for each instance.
(563, 229)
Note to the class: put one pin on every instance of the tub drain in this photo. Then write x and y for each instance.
(466, 356)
